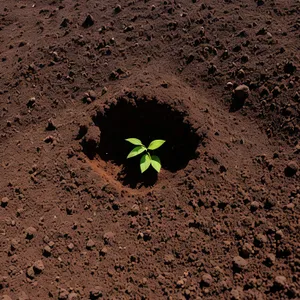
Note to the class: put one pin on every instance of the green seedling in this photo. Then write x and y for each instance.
(146, 160)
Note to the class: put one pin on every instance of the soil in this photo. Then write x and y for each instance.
(219, 80)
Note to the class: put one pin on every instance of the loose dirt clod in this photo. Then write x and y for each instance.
(4, 201)
(47, 251)
(241, 93)
(6, 297)
(88, 22)
(30, 233)
(30, 272)
(207, 280)
(280, 281)
(108, 237)
(38, 267)
(70, 247)
(291, 169)
(90, 244)
(63, 294)
(96, 292)
(239, 263)
(73, 296)
(169, 259)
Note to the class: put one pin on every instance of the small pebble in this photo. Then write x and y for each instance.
(207, 280)
(4, 201)
(90, 244)
(135, 209)
(103, 251)
(47, 251)
(70, 246)
(30, 233)
(30, 272)
(229, 85)
(38, 266)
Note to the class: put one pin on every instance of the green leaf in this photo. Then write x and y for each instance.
(136, 151)
(155, 163)
(155, 144)
(134, 141)
(145, 162)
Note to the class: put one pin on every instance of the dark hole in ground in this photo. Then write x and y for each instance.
(146, 120)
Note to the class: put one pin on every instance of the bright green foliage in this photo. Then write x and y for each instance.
(136, 151)
(155, 144)
(155, 163)
(135, 141)
(146, 160)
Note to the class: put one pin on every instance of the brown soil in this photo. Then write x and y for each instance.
(218, 80)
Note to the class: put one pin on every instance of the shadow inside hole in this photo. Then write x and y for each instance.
(146, 120)
(131, 175)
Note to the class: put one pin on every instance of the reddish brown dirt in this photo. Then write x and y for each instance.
(221, 220)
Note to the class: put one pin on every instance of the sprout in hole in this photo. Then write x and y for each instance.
(147, 159)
